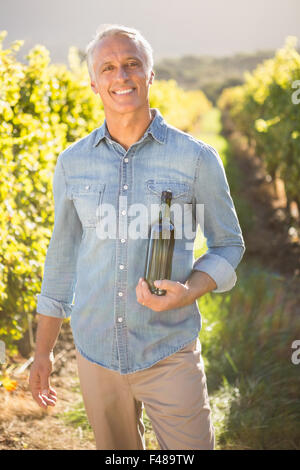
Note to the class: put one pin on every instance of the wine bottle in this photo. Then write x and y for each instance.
(160, 246)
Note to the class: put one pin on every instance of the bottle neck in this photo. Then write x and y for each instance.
(165, 210)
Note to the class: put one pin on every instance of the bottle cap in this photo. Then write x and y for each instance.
(166, 196)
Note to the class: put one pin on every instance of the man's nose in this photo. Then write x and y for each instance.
(122, 73)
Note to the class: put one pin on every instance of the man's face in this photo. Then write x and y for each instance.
(121, 76)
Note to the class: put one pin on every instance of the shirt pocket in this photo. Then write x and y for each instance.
(181, 203)
(180, 191)
(87, 198)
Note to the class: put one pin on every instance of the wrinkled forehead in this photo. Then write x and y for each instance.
(117, 47)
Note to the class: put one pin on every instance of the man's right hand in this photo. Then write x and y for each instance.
(39, 382)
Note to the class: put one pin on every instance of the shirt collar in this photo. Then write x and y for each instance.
(157, 129)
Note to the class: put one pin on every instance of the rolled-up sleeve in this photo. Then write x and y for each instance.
(59, 278)
(219, 224)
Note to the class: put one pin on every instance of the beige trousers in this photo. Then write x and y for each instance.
(174, 394)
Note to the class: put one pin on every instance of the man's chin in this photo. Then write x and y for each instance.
(126, 108)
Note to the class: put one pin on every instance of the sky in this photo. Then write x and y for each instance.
(173, 27)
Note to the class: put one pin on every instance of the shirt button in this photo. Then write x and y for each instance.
(126, 160)
(122, 240)
(120, 319)
(123, 212)
(87, 187)
(125, 186)
(120, 294)
(121, 266)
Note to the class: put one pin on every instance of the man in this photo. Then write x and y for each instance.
(133, 348)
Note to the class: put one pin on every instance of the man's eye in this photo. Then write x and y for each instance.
(108, 67)
(132, 64)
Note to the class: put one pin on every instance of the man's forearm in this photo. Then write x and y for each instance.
(47, 333)
(199, 283)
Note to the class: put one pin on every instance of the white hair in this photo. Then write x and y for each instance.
(106, 30)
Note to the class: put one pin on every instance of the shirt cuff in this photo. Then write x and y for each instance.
(219, 269)
(52, 308)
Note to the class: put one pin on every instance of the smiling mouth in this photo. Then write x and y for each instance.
(128, 91)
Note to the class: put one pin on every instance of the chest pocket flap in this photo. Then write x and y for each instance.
(179, 190)
(87, 198)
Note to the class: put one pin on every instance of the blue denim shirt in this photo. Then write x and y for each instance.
(109, 326)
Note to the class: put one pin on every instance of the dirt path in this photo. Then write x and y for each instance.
(24, 425)
(274, 241)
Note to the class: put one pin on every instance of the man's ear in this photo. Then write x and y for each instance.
(152, 74)
(93, 87)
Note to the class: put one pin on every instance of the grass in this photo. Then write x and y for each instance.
(246, 340)
(77, 417)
